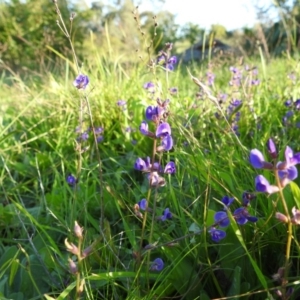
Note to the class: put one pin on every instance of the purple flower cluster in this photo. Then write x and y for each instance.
(237, 76)
(81, 82)
(164, 58)
(285, 170)
(241, 216)
(83, 135)
(293, 109)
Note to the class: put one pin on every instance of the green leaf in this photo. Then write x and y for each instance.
(13, 270)
(235, 288)
(296, 193)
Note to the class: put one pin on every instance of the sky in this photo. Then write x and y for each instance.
(233, 14)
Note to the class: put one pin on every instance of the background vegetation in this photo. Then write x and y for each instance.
(42, 255)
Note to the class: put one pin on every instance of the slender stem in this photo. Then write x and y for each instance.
(289, 235)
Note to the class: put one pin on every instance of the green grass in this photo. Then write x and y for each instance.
(38, 208)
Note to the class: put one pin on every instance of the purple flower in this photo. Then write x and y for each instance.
(242, 216)
(149, 85)
(141, 165)
(247, 197)
(173, 90)
(100, 138)
(157, 265)
(170, 168)
(236, 102)
(289, 114)
(221, 219)
(257, 160)
(167, 215)
(81, 81)
(98, 130)
(227, 201)
(272, 149)
(296, 216)
(144, 128)
(166, 143)
(83, 137)
(288, 103)
(210, 78)
(121, 102)
(155, 179)
(263, 185)
(71, 180)
(163, 129)
(143, 204)
(153, 112)
(297, 104)
(287, 175)
(216, 234)
(291, 159)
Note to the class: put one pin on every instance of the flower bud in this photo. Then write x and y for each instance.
(87, 251)
(72, 266)
(71, 247)
(281, 217)
(78, 230)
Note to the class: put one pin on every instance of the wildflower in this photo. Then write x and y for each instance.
(81, 81)
(287, 175)
(78, 230)
(157, 265)
(272, 149)
(170, 168)
(216, 234)
(144, 128)
(153, 113)
(72, 266)
(227, 201)
(257, 160)
(166, 144)
(210, 78)
(155, 179)
(149, 85)
(281, 217)
(143, 204)
(71, 180)
(100, 138)
(167, 215)
(288, 103)
(163, 129)
(242, 216)
(297, 104)
(98, 130)
(83, 137)
(71, 248)
(263, 185)
(121, 102)
(221, 219)
(141, 165)
(296, 216)
(247, 197)
(173, 90)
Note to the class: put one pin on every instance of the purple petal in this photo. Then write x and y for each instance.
(256, 159)
(143, 204)
(227, 201)
(167, 143)
(170, 168)
(81, 81)
(163, 129)
(263, 185)
(157, 265)
(221, 219)
(216, 234)
(144, 128)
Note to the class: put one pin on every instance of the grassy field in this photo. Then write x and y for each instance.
(85, 214)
